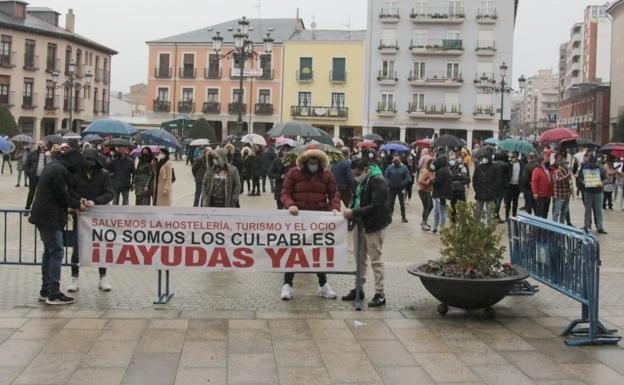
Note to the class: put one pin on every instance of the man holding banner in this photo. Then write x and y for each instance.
(310, 186)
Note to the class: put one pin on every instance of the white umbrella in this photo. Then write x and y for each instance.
(200, 142)
(254, 139)
(72, 135)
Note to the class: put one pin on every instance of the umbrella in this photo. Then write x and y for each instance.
(612, 147)
(285, 142)
(492, 141)
(93, 138)
(54, 139)
(254, 139)
(110, 127)
(394, 147)
(423, 143)
(187, 141)
(137, 151)
(72, 136)
(517, 145)
(5, 145)
(292, 128)
(332, 152)
(367, 144)
(21, 138)
(117, 142)
(373, 137)
(161, 137)
(200, 142)
(447, 141)
(578, 142)
(557, 135)
(63, 131)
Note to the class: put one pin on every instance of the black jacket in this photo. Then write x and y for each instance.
(485, 181)
(442, 180)
(30, 167)
(199, 169)
(277, 173)
(501, 161)
(526, 174)
(97, 185)
(374, 211)
(459, 177)
(121, 170)
(258, 165)
(53, 197)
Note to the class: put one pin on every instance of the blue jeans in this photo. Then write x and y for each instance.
(593, 203)
(439, 212)
(561, 207)
(198, 190)
(51, 261)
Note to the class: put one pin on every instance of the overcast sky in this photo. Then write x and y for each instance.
(125, 25)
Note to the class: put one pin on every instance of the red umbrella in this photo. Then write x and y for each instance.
(423, 143)
(617, 153)
(557, 135)
(615, 149)
(367, 144)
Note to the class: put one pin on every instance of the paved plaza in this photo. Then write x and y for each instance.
(232, 328)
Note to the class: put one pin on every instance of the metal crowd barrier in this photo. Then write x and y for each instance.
(567, 260)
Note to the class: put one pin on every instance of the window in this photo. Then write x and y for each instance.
(420, 70)
(5, 45)
(420, 8)
(188, 65)
(451, 102)
(388, 69)
(68, 59)
(339, 69)
(453, 35)
(452, 71)
(485, 68)
(387, 102)
(391, 8)
(456, 8)
(51, 58)
(338, 99)
(5, 83)
(488, 6)
(418, 103)
(28, 87)
(419, 39)
(265, 65)
(212, 95)
(264, 96)
(235, 93)
(163, 61)
(305, 99)
(29, 54)
(163, 94)
(389, 37)
(187, 95)
(305, 68)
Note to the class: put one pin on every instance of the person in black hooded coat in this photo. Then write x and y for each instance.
(501, 162)
(441, 191)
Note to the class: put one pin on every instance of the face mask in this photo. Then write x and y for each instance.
(113, 153)
(432, 168)
(161, 156)
(452, 162)
(313, 168)
(383, 155)
(370, 156)
(360, 178)
(396, 163)
(485, 161)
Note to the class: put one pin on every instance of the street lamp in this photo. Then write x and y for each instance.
(502, 88)
(243, 49)
(70, 85)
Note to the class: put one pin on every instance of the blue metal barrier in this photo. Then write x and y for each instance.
(567, 260)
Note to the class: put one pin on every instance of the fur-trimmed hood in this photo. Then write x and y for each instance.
(246, 151)
(313, 153)
(230, 148)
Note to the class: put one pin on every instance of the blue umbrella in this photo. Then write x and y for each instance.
(492, 141)
(5, 145)
(394, 147)
(92, 138)
(161, 137)
(110, 127)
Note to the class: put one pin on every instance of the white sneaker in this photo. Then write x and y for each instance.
(326, 291)
(287, 292)
(73, 285)
(104, 285)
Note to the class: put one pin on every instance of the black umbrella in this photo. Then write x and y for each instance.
(292, 128)
(373, 137)
(578, 142)
(445, 141)
(54, 139)
(63, 131)
(119, 142)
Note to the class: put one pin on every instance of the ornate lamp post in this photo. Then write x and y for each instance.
(243, 50)
(502, 88)
(70, 85)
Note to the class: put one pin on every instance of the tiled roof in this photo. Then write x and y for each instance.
(282, 29)
(328, 35)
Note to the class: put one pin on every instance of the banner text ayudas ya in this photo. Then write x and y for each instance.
(204, 239)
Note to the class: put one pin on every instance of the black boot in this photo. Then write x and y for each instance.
(378, 300)
(351, 296)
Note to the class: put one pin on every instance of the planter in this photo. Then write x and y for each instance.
(467, 293)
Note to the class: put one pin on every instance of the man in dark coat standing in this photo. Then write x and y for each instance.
(122, 170)
(398, 178)
(525, 182)
(344, 177)
(33, 168)
(485, 181)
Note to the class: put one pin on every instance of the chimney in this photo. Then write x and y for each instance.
(70, 20)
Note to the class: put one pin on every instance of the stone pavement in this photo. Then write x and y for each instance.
(233, 328)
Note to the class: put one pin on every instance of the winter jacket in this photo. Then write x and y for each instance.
(96, 185)
(268, 156)
(526, 174)
(424, 158)
(121, 170)
(343, 175)
(144, 176)
(199, 169)
(308, 191)
(593, 166)
(373, 210)
(258, 166)
(542, 184)
(501, 160)
(52, 196)
(424, 180)
(277, 173)
(459, 176)
(248, 158)
(397, 177)
(232, 180)
(485, 180)
(30, 167)
(442, 180)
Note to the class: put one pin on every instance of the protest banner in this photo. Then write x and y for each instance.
(211, 239)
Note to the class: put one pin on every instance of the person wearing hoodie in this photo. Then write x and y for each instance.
(122, 172)
(459, 179)
(592, 178)
(91, 182)
(484, 181)
(501, 161)
(247, 160)
(442, 191)
(310, 186)
(397, 178)
(49, 213)
(221, 186)
(370, 213)
(424, 158)
(164, 179)
(257, 170)
(144, 178)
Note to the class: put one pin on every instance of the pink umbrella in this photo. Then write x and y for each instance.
(137, 151)
(557, 135)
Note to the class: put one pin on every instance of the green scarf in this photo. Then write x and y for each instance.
(374, 170)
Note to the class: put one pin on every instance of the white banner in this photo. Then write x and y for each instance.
(207, 239)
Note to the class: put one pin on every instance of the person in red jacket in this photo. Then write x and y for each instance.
(542, 186)
(310, 186)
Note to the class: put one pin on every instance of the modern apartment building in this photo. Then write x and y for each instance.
(597, 44)
(33, 48)
(616, 11)
(573, 59)
(430, 64)
(186, 77)
(539, 109)
(324, 80)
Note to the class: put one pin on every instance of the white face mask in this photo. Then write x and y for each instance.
(161, 156)
(432, 168)
(370, 155)
(313, 168)
(485, 161)
(452, 162)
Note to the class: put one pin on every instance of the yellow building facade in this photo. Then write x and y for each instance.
(323, 80)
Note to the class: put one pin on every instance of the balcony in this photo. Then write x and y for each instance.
(388, 78)
(51, 103)
(97, 106)
(186, 107)
(436, 79)
(319, 112)
(211, 108)
(486, 16)
(53, 64)
(187, 73)
(8, 99)
(444, 47)
(31, 62)
(338, 77)
(159, 73)
(389, 15)
(235, 108)
(484, 80)
(486, 48)
(428, 15)
(386, 109)
(162, 106)
(7, 60)
(29, 101)
(434, 110)
(267, 74)
(212, 73)
(388, 46)
(484, 112)
(263, 109)
(305, 76)
(105, 107)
